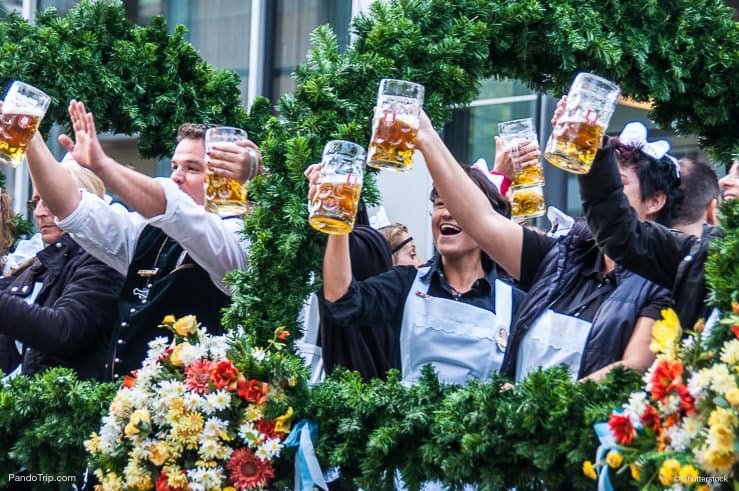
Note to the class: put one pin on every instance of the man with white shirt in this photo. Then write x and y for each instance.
(173, 252)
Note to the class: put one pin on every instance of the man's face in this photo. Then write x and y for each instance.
(50, 231)
(188, 168)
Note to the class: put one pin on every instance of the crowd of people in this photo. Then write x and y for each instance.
(496, 296)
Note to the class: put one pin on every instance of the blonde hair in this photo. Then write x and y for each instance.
(394, 234)
(85, 178)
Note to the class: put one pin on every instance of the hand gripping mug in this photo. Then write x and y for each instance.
(334, 208)
(579, 131)
(395, 125)
(23, 109)
(514, 134)
(223, 195)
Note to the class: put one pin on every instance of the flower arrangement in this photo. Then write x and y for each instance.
(203, 412)
(680, 432)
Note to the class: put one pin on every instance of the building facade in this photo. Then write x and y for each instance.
(264, 40)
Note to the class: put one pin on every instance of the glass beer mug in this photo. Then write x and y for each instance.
(395, 124)
(223, 195)
(514, 133)
(334, 208)
(579, 131)
(23, 109)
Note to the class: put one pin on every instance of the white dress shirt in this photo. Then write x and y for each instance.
(109, 232)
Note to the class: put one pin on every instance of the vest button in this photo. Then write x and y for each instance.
(124, 324)
(115, 375)
(121, 341)
(132, 310)
(14, 289)
(117, 360)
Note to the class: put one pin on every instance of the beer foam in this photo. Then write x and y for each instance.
(407, 119)
(12, 107)
(351, 179)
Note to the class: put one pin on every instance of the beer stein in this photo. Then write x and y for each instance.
(334, 207)
(394, 125)
(23, 109)
(527, 203)
(579, 131)
(223, 195)
(514, 134)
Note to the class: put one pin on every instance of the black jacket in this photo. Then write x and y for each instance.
(667, 257)
(616, 316)
(71, 321)
(179, 287)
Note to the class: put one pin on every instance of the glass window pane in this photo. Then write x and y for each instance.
(493, 88)
(483, 126)
(8, 6)
(294, 23)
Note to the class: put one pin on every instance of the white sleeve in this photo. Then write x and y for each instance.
(214, 243)
(107, 232)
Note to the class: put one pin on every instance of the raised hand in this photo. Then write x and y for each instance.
(240, 160)
(86, 148)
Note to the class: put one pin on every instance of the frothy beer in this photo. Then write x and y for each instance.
(527, 203)
(573, 145)
(393, 141)
(224, 196)
(529, 175)
(334, 207)
(16, 131)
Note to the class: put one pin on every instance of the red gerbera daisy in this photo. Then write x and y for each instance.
(197, 375)
(665, 377)
(650, 418)
(622, 429)
(247, 471)
(266, 427)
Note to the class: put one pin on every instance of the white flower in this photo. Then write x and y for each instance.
(171, 388)
(698, 383)
(670, 404)
(208, 447)
(249, 433)
(110, 433)
(141, 452)
(679, 438)
(202, 479)
(219, 399)
(215, 427)
(258, 354)
(262, 453)
(635, 407)
(156, 348)
(191, 353)
(193, 402)
(217, 347)
(272, 447)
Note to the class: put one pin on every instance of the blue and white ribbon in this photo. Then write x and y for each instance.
(307, 469)
(607, 441)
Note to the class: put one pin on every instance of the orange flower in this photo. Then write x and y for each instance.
(130, 380)
(735, 330)
(665, 377)
(224, 374)
(253, 390)
(650, 418)
(247, 471)
(622, 429)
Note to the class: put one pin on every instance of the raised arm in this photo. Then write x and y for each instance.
(140, 192)
(337, 263)
(499, 237)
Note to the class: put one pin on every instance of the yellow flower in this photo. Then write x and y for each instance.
(614, 459)
(669, 469)
(282, 423)
(589, 470)
(730, 352)
(139, 423)
(635, 472)
(176, 357)
(716, 461)
(229, 488)
(168, 320)
(158, 453)
(252, 413)
(722, 437)
(733, 397)
(92, 444)
(176, 478)
(186, 325)
(722, 417)
(665, 332)
(688, 474)
(703, 487)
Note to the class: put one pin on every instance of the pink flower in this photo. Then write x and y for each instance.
(197, 375)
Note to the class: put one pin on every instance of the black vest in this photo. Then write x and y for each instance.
(161, 280)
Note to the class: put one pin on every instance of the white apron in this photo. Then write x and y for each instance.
(457, 339)
(554, 339)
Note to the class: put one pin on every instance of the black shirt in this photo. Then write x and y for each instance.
(592, 286)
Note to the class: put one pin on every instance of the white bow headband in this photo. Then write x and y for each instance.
(634, 134)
